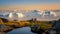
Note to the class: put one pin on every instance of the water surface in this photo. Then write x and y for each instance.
(24, 30)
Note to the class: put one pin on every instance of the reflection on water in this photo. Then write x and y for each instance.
(24, 30)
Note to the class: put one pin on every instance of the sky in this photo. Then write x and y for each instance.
(29, 4)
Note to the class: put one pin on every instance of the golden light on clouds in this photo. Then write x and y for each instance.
(32, 7)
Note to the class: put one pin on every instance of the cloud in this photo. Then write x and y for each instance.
(47, 13)
(20, 15)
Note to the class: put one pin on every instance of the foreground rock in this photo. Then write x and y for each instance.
(4, 28)
(2, 33)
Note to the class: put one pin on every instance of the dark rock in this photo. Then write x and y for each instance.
(36, 30)
(2, 33)
(4, 20)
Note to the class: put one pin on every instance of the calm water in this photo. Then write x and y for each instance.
(24, 30)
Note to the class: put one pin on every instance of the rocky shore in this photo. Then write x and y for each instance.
(2, 33)
(4, 29)
(6, 25)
